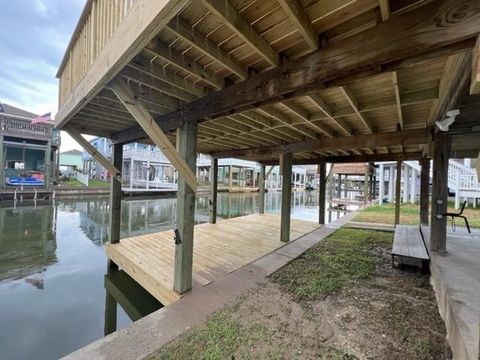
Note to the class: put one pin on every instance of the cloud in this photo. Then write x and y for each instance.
(34, 37)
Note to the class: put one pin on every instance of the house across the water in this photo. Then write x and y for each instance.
(28, 150)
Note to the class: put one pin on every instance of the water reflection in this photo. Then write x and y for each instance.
(122, 290)
(52, 267)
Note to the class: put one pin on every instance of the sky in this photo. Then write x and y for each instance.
(33, 39)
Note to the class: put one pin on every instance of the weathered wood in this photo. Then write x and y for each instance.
(110, 325)
(475, 81)
(261, 189)
(47, 165)
(143, 117)
(286, 171)
(297, 16)
(424, 190)
(366, 187)
(408, 242)
(140, 25)
(404, 138)
(212, 208)
(186, 143)
(114, 171)
(2, 161)
(432, 26)
(398, 184)
(322, 188)
(232, 19)
(438, 234)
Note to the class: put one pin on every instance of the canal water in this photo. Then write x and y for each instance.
(53, 278)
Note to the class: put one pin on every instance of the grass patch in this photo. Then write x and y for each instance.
(92, 184)
(342, 258)
(409, 214)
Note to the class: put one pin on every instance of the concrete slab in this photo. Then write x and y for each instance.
(456, 280)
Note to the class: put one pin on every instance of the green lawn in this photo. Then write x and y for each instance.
(93, 184)
(409, 214)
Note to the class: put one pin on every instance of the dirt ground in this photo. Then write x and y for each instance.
(382, 314)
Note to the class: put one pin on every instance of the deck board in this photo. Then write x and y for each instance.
(408, 242)
(218, 250)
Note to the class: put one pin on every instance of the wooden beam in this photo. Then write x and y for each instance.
(141, 24)
(212, 208)
(231, 18)
(354, 104)
(424, 190)
(318, 101)
(475, 78)
(300, 20)
(207, 47)
(354, 158)
(113, 170)
(286, 171)
(398, 99)
(398, 184)
(322, 171)
(438, 233)
(261, 189)
(406, 137)
(305, 116)
(179, 60)
(143, 117)
(384, 9)
(183, 270)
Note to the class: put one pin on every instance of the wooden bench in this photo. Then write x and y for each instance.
(409, 247)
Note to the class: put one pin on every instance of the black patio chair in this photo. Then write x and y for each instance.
(458, 215)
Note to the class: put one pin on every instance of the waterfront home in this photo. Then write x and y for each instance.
(279, 83)
(70, 162)
(28, 151)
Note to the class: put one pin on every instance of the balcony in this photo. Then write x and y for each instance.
(26, 130)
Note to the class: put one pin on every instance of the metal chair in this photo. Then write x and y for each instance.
(458, 215)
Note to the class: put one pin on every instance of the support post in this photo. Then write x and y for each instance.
(413, 186)
(397, 192)
(47, 165)
(438, 233)
(424, 190)
(261, 190)
(406, 178)
(115, 198)
(286, 167)
(339, 186)
(381, 185)
(391, 179)
(345, 186)
(365, 186)
(214, 190)
(186, 146)
(322, 187)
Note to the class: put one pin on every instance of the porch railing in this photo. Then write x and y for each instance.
(25, 129)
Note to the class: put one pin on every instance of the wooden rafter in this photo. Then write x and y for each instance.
(354, 104)
(325, 109)
(305, 116)
(235, 21)
(297, 15)
(398, 99)
(207, 47)
(143, 117)
(179, 60)
(384, 9)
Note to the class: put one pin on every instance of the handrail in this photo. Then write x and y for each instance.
(98, 22)
(16, 127)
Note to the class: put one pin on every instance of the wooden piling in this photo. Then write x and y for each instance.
(214, 191)
(424, 190)
(322, 171)
(397, 192)
(286, 170)
(261, 190)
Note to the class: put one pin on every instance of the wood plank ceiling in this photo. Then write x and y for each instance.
(214, 43)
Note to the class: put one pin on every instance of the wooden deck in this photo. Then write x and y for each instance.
(218, 249)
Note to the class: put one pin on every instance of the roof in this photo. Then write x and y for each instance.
(72, 152)
(12, 110)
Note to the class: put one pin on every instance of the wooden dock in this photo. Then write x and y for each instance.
(218, 250)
